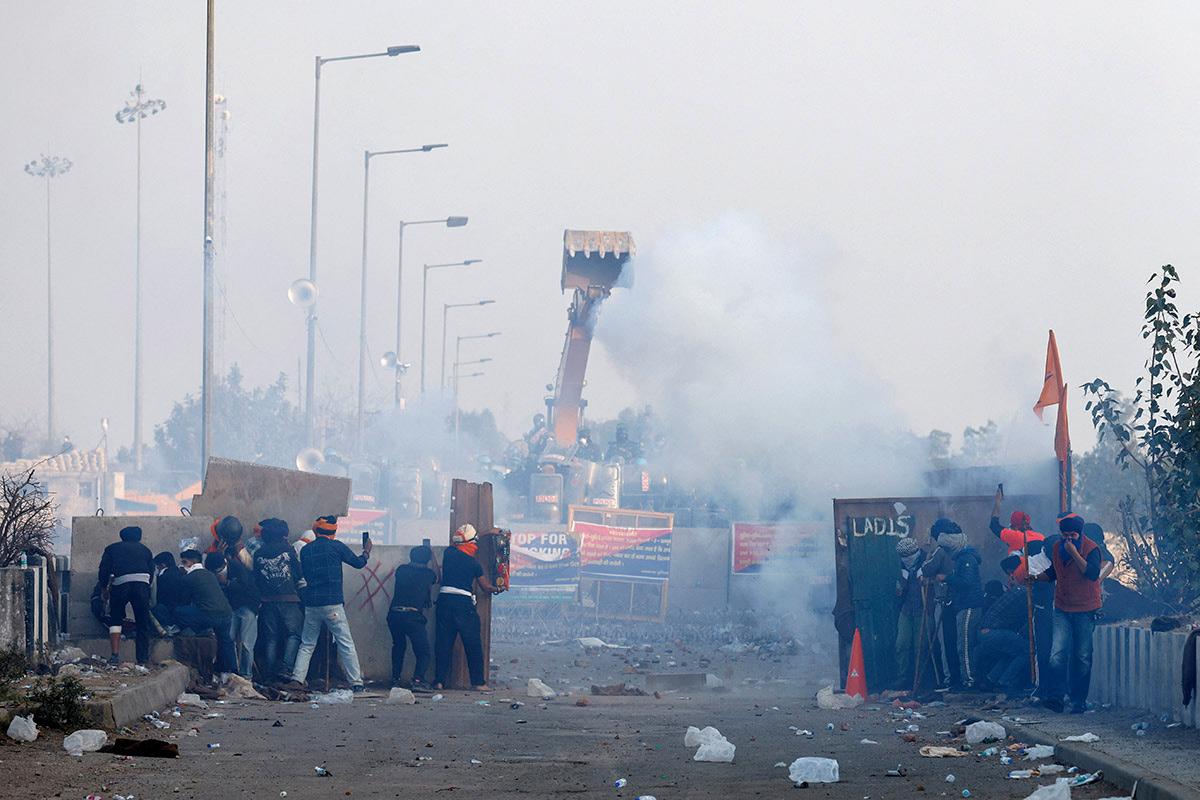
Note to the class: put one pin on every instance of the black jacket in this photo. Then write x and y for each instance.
(206, 594)
(966, 587)
(240, 587)
(1010, 612)
(277, 572)
(172, 589)
(125, 558)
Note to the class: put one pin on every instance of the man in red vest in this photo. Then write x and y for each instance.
(1075, 569)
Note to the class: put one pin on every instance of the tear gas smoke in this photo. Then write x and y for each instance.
(728, 337)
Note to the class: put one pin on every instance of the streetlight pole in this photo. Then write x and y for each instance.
(425, 304)
(49, 167)
(445, 315)
(449, 222)
(137, 108)
(311, 370)
(362, 307)
(208, 384)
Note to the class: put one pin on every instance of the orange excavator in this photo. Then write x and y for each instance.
(591, 266)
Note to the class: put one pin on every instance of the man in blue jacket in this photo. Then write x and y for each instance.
(966, 598)
(321, 561)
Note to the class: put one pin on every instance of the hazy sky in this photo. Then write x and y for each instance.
(974, 174)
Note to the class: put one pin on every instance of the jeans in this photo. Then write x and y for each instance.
(244, 632)
(409, 626)
(136, 594)
(191, 617)
(966, 628)
(908, 631)
(334, 618)
(1002, 657)
(456, 616)
(1071, 653)
(280, 625)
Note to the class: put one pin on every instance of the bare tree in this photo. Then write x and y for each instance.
(26, 517)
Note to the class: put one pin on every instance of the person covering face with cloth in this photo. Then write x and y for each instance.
(456, 615)
(911, 606)
(1075, 562)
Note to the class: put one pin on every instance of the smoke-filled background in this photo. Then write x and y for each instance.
(728, 334)
(973, 176)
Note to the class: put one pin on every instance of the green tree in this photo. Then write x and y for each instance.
(1160, 442)
(258, 425)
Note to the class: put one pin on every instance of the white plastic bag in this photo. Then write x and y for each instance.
(188, 699)
(399, 696)
(334, 698)
(1088, 737)
(1059, 790)
(830, 701)
(1038, 752)
(537, 688)
(86, 741)
(22, 729)
(713, 746)
(984, 731)
(814, 770)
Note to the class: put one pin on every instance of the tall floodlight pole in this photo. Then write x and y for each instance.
(449, 222)
(362, 306)
(445, 315)
(208, 379)
(425, 304)
(458, 352)
(311, 370)
(49, 167)
(137, 108)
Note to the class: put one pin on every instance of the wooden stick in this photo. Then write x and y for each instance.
(1033, 674)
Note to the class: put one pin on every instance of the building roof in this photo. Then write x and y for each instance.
(69, 462)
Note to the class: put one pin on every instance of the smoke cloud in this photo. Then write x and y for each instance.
(726, 333)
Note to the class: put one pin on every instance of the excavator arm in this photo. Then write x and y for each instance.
(592, 264)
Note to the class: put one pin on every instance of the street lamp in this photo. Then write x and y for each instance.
(49, 167)
(137, 108)
(362, 307)
(424, 304)
(449, 222)
(458, 350)
(454, 374)
(445, 315)
(312, 241)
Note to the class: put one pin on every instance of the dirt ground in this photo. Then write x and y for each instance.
(536, 750)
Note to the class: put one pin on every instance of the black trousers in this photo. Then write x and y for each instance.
(409, 627)
(456, 616)
(136, 594)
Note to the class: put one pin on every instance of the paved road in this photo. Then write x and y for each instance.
(376, 750)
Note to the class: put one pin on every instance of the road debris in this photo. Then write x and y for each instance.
(400, 696)
(829, 700)
(22, 729)
(538, 688)
(1088, 737)
(983, 731)
(936, 751)
(713, 746)
(810, 769)
(84, 741)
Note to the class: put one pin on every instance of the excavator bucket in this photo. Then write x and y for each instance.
(592, 264)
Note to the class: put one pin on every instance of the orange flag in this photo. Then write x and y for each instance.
(1062, 436)
(1053, 389)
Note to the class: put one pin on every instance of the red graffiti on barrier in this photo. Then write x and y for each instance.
(374, 585)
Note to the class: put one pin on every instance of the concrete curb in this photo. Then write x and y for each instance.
(1123, 773)
(129, 705)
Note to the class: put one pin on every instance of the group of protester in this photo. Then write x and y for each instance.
(266, 604)
(961, 634)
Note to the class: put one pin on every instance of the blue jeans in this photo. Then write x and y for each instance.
(1071, 655)
(191, 617)
(243, 629)
(280, 626)
(334, 618)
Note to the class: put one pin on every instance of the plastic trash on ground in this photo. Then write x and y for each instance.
(69, 654)
(935, 751)
(1088, 737)
(22, 729)
(713, 746)
(810, 769)
(831, 701)
(983, 731)
(1038, 752)
(399, 696)
(538, 688)
(1059, 790)
(243, 689)
(337, 697)
(188, 699)
(86, 741)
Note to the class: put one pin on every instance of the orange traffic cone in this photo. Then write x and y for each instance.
(856, 676)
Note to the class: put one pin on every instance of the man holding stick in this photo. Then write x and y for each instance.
(1017, 537)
